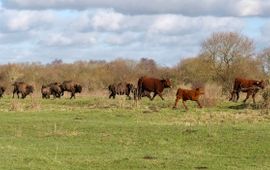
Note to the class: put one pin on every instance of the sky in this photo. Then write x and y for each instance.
(164, 30)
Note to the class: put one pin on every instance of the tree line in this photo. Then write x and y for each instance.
(223, 56)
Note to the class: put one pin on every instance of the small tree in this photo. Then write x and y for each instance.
(264, 56)
(224, 52)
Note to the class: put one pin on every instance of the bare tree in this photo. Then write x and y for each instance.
(224, 51)
(264, 56)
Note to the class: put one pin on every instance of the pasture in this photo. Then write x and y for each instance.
(98, 133)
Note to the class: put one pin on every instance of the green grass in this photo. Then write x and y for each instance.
(98, 133)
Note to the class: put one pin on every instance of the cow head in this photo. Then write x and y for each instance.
(78, 88)
(261, 84)
(29, 89)
(166, 83)
(3, 89)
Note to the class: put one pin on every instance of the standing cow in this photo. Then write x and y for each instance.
(71, 87)
(121, 88)
(150, 84)
(2, 90)
(22, 88)
(251, 87)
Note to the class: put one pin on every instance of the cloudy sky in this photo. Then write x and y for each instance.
(164, 30)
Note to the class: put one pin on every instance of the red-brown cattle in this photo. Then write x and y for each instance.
(251, 87)
(150, 84)
(186, 94)
(23, 88)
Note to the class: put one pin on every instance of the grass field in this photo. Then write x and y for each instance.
(98, 133)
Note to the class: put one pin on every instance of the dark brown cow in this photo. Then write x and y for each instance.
(150, 84)
(186, 94)
(144, 94)
(2, 90)
(51, 89)
(46, 92)
(23, 88)
(251, 87)
(71, 87)
(121, 88)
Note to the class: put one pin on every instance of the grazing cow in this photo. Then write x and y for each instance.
(150, 84)
(121, 88)
(2, 90)
(23, 88)
(251, 87)
(71, 87)
(186, 94)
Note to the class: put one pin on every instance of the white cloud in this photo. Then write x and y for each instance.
(13, 20)
(107, 20)
(184, 7)
(108, 34)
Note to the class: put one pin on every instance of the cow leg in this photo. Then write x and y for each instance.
(23, 95)
(13, 93)
(237, 96)
(176, 102)
(148, 95)
(253, 97)
(248, 94)
(154, 96)
(160, 95)
(72, 95)
(199, 104)
(18, 94)
(231, 96)
(184, 104)
(110, 96)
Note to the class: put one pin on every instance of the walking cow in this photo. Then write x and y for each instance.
(251, 87)
(121, 88)
(22, 88)
(71, 87)
(150, 84)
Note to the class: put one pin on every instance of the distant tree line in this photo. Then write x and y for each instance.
(223, 56)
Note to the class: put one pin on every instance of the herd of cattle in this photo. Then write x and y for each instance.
(145, 86)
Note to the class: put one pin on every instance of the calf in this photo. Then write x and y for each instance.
(251, 87)
(186, 94)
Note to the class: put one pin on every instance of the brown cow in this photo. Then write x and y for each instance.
(150, 84)
(46, 92)
(2, 90)
(121, 88)
(51, 89)
(144, 94)
(23, 88)
(71, 87)
(186, 94)
(251, 87)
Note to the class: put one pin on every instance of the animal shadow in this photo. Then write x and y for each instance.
(245, 106)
